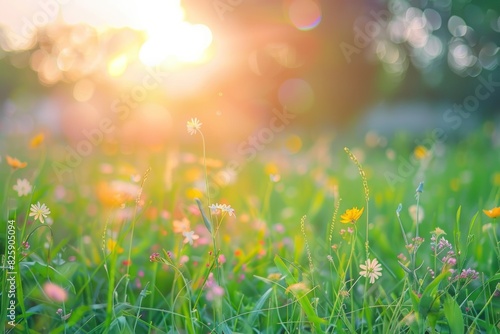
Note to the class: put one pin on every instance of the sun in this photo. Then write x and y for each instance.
(170, 37)
(184, 43)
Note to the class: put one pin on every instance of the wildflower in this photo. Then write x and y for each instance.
(443, 243)
(183, 259)
(431, 272)
(39, 211)
(371, 269)
(181, 225)
(420, 152)
(37, 140)
(23, 187)
(221, 208)
(190, 237)
(193, 126)
(438, 232)
(469, 274)
(15, 163)
(112, 246)
(493, 213)
(351, 215)
(55, 292)
(155, 257)
(450, 260)
(402, 258)
(214, 290)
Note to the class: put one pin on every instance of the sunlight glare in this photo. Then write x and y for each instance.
(117, 66)
(170, 37)
(183, 42)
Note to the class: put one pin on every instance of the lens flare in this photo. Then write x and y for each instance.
(304, 14)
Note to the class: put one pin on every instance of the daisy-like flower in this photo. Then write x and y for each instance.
(15, 163)
(40, 211)
(193, 126)
(371, 269)
(221, 208)
(351, 215)
(493, 213)
(190, 237)
(23, 187)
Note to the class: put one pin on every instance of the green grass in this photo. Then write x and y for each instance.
(270, 269)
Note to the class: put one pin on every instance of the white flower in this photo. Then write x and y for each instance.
(193, 126)
(39, 211)
(371, 269)
(23, 187)
(190, 237)
(218, 208)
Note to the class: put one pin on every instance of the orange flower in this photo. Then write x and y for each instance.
(181, 226)
(493, 213)
(351, 215)
(37, 140)
(15, 163)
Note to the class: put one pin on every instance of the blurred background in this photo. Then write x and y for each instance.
(135, 72)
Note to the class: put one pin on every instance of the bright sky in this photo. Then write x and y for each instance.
(162, 20)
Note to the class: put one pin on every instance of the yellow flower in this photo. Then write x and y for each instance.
(112, 245)
(37, 140)
(420, 152)
(351, 215)
(438, 232)
(493, 213)
(15, 163)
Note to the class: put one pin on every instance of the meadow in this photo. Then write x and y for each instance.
(377, 235)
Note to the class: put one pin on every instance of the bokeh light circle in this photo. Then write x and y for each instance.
(304, 14)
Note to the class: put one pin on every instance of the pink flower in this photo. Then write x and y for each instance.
(55, 292)
(214, 291)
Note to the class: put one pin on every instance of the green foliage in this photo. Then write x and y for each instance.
(129, 269)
